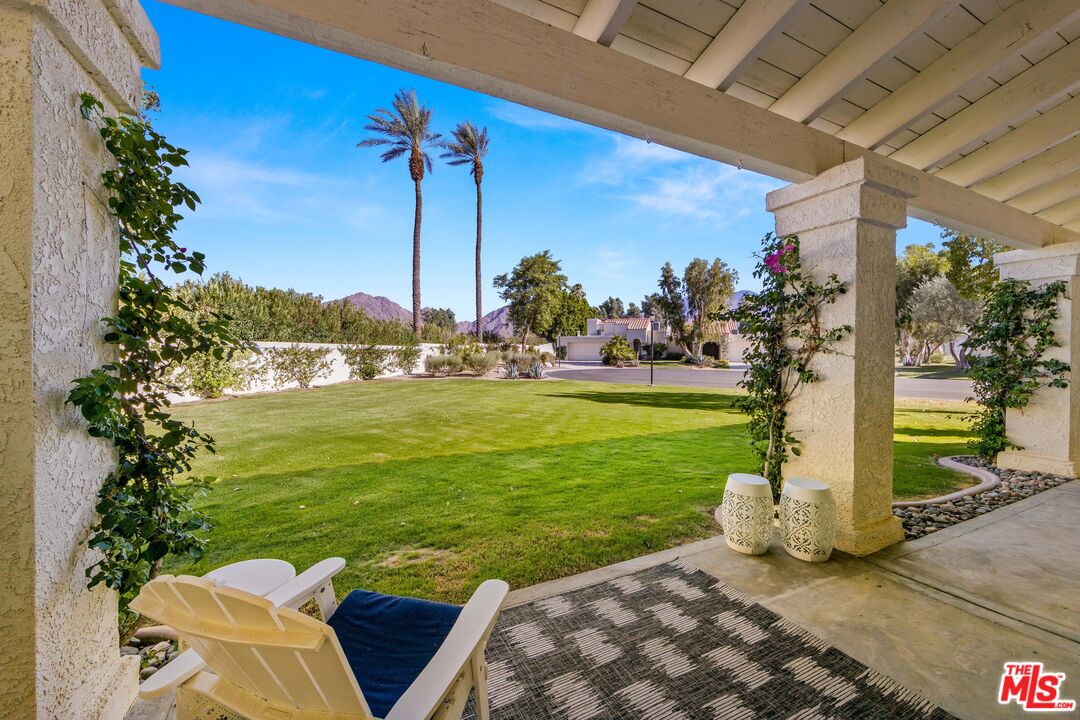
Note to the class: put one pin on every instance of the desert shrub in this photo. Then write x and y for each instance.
(208, 376)
(722, 363)
(674, 355)
(536, 371)
(547, 358)
(482, 363)
(454, 364)
(660, 349)
(405, 358)
(511, 372)
(366, 362)
(617, 352)
(523, 360)
(435, 364)
(937, 357)
(443, 364)
(298, 364)
(464, 345)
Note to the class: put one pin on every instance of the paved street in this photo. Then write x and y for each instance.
(688, 377)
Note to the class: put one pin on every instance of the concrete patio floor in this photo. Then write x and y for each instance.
(940, 615)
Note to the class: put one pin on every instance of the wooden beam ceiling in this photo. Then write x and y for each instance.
(1029, 139)
(1041, 82)
(1045, 167)
(486, 47)
(601, 20)
(1006, 34)
(741, 41)
(876, 39)
(1046, 196)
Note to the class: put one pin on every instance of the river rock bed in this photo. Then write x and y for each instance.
(1015, 486)
(153, 654)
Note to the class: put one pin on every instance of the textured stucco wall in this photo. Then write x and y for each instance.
(846, 220)
(58, 641)
(16, 403)
(1048, 429)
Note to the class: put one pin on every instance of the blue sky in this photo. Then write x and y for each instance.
(290, 201)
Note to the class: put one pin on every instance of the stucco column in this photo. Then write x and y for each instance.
(59, 654)
(1048, 429)
(846, 219)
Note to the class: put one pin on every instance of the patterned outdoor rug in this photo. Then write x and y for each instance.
(672, 643)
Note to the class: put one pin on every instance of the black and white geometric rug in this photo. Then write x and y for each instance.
(673, 643)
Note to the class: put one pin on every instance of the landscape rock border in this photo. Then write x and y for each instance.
(989, 481)
(1013, 486)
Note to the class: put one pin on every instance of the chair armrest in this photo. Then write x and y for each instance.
(182, 667)
(471, 630)
(315, 582)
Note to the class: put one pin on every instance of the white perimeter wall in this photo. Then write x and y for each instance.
(339, 371)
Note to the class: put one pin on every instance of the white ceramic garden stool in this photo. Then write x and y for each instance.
(747, 513)
(807, 519)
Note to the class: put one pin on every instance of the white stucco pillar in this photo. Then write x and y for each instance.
(846, 219)
(1048, 429)
(59, 655)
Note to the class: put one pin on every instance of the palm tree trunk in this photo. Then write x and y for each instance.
(479, 235)
(416, 322)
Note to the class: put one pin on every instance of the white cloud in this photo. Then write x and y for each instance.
(237, 189)
(663, 180)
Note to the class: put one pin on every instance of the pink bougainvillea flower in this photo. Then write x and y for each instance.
(775, 261)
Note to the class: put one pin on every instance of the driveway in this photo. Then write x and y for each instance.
(688, 377)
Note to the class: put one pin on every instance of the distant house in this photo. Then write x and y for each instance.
(638, 331)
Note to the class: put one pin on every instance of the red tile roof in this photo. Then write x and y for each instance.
(638, 323)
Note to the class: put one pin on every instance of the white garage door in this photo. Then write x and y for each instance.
(583, 351)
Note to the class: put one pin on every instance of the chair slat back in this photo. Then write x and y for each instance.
(277, 654)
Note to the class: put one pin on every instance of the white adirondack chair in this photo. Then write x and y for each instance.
(258, 658)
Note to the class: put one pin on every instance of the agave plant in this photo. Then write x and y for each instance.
(697, 360)
(510, 372)
(536, 371)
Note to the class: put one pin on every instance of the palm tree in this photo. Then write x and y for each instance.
(469, 147)
(407, 130)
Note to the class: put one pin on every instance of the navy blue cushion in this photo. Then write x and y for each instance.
(388, 640)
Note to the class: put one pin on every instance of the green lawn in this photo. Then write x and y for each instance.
(939, 371)
(428, 486)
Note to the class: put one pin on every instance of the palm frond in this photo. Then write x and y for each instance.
(394, 153)
(406, 125)
(469, 146)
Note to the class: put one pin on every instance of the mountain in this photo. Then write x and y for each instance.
(383, 308)
(496, 321)
(379, 307)
(737, 298)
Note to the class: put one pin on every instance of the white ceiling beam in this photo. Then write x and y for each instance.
(874, 41)
(1046, 196)
(1047, 166)
(742, 40)
(1055, 125)
(482, 46)
(1063, 213)
(1005, 35)
(601, 20)
(1040, 83)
